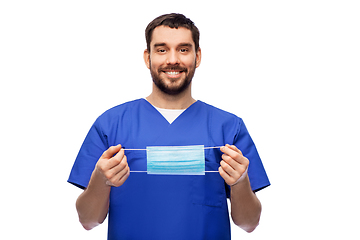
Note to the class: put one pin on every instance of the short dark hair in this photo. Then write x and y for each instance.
(172, 20)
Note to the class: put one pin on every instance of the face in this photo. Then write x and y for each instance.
(172, 59)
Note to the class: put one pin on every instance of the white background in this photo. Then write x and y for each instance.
(290, 69)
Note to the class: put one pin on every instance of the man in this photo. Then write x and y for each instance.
(151, 206)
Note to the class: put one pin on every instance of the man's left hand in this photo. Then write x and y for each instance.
(234, 165)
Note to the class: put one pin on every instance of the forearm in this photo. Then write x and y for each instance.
(245, 206)
(93, 204)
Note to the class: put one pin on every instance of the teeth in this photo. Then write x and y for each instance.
(172, 73)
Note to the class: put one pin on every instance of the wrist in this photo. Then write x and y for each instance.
(242, 178)
(242, 183)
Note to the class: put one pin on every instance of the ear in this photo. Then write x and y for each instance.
(198, 57)
(147, 58)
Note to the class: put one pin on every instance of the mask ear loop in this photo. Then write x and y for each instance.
(134, 149)
(212, 147)
(138, 149)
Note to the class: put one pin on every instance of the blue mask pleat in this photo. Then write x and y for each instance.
(176, 160)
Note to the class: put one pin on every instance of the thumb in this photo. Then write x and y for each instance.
(111, 151)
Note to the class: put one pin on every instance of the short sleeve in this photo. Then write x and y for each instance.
(256, 171)
(91, 150)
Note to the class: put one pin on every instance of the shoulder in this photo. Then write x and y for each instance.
(114, 115)
(120, 109)
(220, 114)
(123, 107)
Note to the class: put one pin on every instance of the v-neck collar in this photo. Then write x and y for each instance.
(164, 119)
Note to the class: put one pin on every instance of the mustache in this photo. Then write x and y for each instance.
(172, 68)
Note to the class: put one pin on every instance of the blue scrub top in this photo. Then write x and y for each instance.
(168, 206)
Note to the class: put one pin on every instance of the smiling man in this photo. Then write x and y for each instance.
(172, 59)
(169, 206)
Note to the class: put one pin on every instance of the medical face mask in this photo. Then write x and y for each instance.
(176, 160)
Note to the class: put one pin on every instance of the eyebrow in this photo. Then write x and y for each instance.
(185, 45)
(180, 45)
(159, 44)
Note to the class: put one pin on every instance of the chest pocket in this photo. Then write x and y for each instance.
(209, 189)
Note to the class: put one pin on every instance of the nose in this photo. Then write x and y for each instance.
(173, 58)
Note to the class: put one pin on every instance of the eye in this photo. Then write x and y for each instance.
(161, 50)
(183, 50)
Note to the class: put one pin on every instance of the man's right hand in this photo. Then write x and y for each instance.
(114, 169)
(93, 204)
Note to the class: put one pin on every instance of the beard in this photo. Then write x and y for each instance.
(172, 86)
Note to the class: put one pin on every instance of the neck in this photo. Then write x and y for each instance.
(162, 100)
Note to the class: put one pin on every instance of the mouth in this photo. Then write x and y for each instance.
(173, 74)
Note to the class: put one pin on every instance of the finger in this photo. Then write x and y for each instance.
(119, 178)
(110, 167)
(234, 153)
(115, 160)
(231, 162)
(231, 156)
(115, 173)
(233, 147)
(111, 151)
(122, 174)
(230, 170)
(230, 180)
(119, 156)
(231, 177)
(231, 150)
(118, 165)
